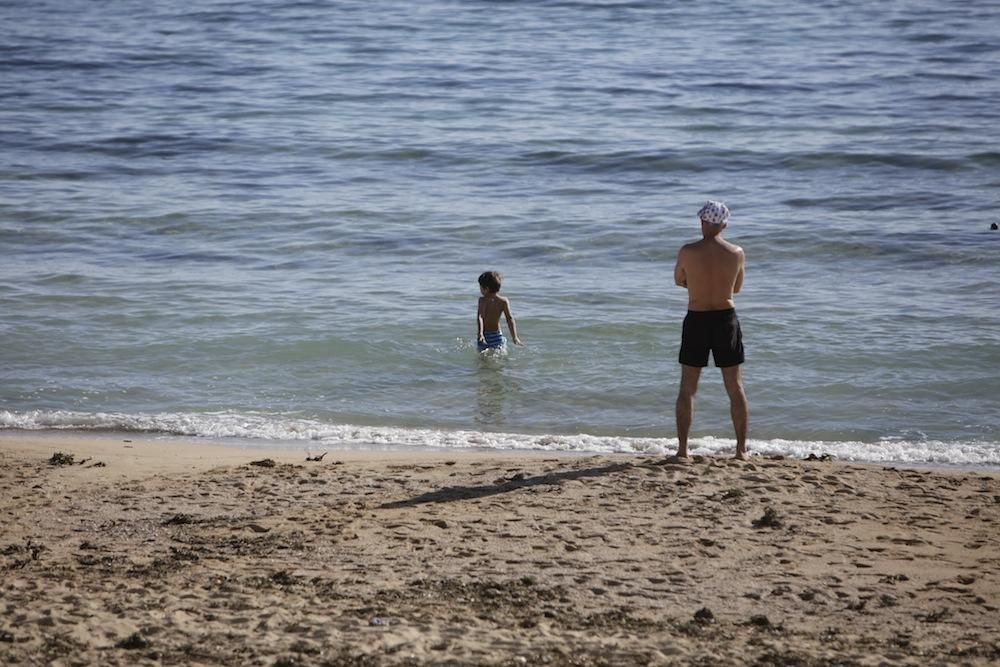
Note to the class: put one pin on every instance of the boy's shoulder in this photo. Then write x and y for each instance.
(493, 302)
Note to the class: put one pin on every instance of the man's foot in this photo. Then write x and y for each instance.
(741, 456)
(677, 458)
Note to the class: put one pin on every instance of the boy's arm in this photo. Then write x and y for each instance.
(511, 324)
(479, 323)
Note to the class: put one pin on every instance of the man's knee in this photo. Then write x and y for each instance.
(689, 382)
(686, 391)
(735, 389)
(733, 380)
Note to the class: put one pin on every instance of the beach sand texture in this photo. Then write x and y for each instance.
(173, 553)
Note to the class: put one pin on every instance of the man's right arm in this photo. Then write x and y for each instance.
(680, 275)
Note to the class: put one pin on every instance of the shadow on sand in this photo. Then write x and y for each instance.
(518, 481)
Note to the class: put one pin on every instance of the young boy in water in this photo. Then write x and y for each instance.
(491, 307)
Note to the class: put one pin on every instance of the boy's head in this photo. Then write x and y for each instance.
(490, 281)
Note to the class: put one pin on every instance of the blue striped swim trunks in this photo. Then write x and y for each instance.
(494, 339)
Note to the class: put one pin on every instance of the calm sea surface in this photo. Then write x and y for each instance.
(264, 220)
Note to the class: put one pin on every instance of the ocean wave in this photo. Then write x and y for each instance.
(875, 202)
(278, 430)
(826, 159)
(987, 159)
(668, 161)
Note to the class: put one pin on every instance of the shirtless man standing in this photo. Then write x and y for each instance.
(712, 272)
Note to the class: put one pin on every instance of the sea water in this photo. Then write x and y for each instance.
(264, 220)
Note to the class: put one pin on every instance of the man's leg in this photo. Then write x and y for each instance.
(685, 406)
(739, 407)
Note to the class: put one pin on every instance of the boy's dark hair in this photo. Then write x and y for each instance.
(491, 281)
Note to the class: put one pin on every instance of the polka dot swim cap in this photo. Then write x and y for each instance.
(714, 212)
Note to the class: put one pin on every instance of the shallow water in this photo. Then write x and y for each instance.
(266, 220)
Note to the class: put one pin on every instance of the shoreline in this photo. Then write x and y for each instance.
(178, 452)
(288, 449)
(191, 553)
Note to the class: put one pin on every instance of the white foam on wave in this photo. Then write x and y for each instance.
(276, 429)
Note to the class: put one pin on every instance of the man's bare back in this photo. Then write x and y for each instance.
(712, 271)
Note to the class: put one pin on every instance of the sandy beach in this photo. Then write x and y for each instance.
(128, 551)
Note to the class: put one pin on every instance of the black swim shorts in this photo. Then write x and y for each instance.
(717, 331)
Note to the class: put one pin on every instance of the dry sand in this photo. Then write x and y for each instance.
(181, 553)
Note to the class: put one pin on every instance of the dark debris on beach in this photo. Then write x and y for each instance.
(62, 459)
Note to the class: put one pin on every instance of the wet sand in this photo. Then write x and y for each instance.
(148, 552)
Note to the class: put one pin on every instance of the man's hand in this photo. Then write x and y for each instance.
(680, 275)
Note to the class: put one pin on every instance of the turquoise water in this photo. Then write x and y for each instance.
(265, 220)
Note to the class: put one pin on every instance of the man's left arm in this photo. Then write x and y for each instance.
(738, 284)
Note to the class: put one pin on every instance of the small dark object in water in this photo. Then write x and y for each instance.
(264, 463)
(821, 457)
(994, 226)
